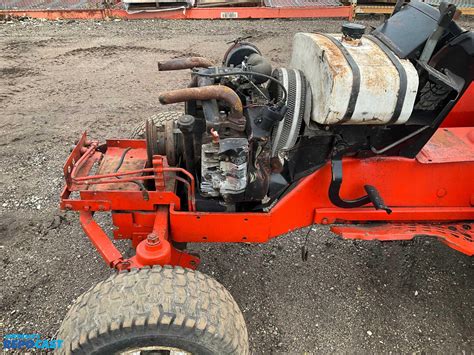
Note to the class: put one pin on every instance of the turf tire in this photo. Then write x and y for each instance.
(159, 119)
(159, 306)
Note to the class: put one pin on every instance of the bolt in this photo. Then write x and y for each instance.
(324, 221)
(152, 239)
(68, 206)
(101, 208)
(441, 193)
(186, 123)
(122, 265)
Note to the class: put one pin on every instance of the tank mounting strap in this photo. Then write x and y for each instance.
(355, 77)
(402, 91)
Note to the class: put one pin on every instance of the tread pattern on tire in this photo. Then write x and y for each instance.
(432, 95)
(159, 119)
(169, 301)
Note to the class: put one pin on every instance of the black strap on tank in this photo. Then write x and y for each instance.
(355, 78)
(402, 74)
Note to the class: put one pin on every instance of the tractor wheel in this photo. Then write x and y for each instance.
(431, 96)
(160, 120)
(159, 310)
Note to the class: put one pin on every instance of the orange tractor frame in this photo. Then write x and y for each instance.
(430, 195)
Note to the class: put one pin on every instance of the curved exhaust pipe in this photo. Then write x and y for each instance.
(211, 92)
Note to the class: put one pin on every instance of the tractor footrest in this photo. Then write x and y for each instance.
(459, 236)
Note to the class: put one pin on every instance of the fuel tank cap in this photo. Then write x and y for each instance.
(353, 30)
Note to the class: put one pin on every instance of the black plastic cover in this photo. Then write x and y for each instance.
(353, 30)
(236, 54)
(406, 32)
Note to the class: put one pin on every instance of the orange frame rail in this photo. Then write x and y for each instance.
(432, 194)
(415, 191)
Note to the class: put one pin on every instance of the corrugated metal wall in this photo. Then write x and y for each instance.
(51, 4)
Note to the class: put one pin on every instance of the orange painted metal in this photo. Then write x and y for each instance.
(399, 214)
(161, 254)
(449, 146)
(437, 187)
(459, 236)
(415, 189)
(110, 190)
(99, 239)
(133, 225)
(117, 200)
(462, 114)
(189, 14)
(156, 249)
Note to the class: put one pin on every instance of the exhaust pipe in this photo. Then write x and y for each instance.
(185, 63)
(217, 92)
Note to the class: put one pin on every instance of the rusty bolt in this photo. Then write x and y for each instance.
(122, 265)
(68, 206)
(324, 221)
(101, 208)
(152, 239)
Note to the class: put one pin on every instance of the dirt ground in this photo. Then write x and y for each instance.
(58, 79)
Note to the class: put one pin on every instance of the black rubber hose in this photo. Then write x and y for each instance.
(122, 158)
(138, 183)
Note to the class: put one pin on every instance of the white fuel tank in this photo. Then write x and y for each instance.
(355, 81)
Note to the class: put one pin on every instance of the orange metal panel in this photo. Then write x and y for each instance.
(99, 239)
(399, 214)
(118, 200)
(462, 114)
(459, 236)
(437, 186)
(415, 190)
